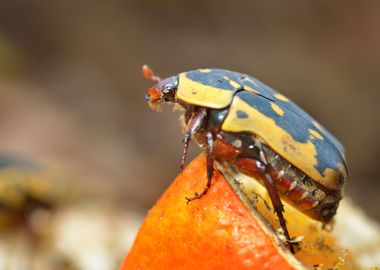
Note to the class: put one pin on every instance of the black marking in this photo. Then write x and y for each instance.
(241, 114)
(341, 180)
(217, 116)
(215, 78)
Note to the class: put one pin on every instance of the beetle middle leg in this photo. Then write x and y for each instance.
(209, 165)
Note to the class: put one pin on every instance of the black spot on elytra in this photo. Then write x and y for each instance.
(240, 114)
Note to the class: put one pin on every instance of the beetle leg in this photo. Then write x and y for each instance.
(209, 165)
(252, 167)
(278, 206)
(186, 141)
(192, 126)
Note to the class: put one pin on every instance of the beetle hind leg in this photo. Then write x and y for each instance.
(253, 167)
(278, 207)
(209, 165)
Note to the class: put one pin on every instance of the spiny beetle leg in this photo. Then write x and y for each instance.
(209, 165)
(186, 142)
(192, 126)
(261, 167)
(278, 207)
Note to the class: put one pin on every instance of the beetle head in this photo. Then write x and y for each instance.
(162, 91)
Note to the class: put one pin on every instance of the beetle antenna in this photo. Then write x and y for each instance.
(149, 74)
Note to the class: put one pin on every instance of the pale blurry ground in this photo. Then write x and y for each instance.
(71, 89)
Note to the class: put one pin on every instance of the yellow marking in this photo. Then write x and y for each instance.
(206, 70)
(334, 174)
(315, 134)
(277, 109)
(250, 89)
(301, 155)
(281, 97)
(234, 84)
(199, 94)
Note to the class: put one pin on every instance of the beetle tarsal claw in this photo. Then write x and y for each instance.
(195, 197)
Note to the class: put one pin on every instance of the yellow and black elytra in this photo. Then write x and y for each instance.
(242, 121)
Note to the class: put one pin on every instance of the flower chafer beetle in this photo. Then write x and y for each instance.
(242, 121)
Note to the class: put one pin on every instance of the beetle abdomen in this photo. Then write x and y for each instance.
(293, 185)
(300, 190)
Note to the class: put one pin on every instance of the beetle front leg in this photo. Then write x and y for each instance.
(209, 165)
(192, 126)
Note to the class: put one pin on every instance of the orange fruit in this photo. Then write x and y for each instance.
(214, 232)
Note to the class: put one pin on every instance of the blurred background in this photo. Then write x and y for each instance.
(71, 91)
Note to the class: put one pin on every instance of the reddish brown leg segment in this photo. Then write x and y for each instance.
(210, 167)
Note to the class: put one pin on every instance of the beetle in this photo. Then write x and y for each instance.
(240, 120)
(23, 192)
